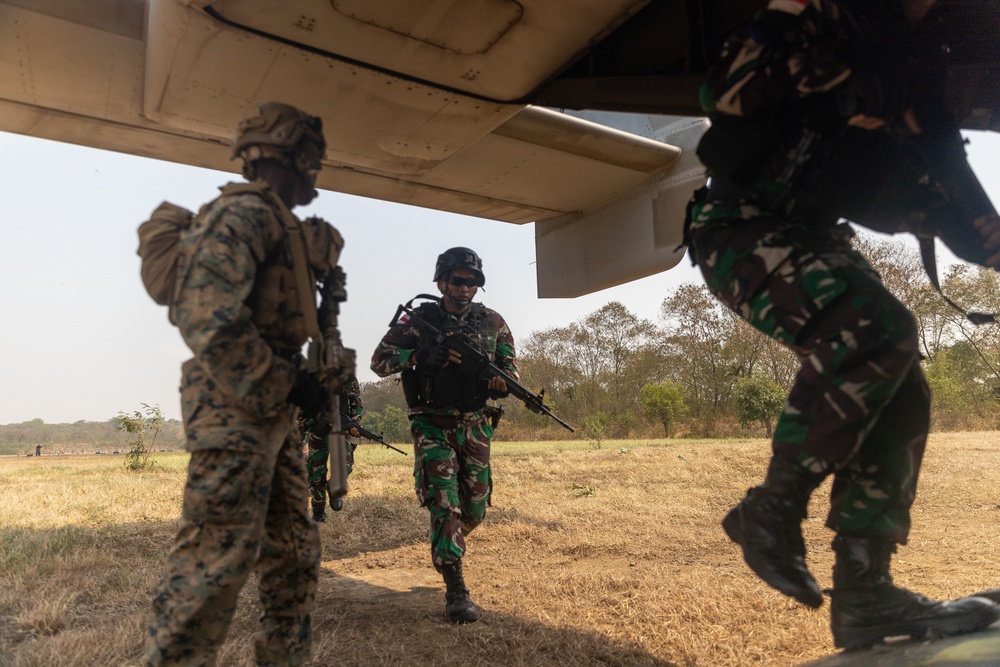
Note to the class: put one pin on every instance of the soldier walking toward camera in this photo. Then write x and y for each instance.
(451, 433)
(317, 436)
(806, 75)
(245, 305)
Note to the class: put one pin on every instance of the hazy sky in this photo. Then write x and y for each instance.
(81, 339)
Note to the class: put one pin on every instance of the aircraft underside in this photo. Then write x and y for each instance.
(437, 104)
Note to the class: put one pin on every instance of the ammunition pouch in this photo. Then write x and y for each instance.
(411, 394)
(764, 160)
(735, 146)
(447, 388)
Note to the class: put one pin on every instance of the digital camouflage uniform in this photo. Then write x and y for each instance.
(452, 448)
(246, 496)
(318, 445)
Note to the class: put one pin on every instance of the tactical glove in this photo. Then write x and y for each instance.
(321, 424)
(309, 394)
(495, 395)
(432, 357)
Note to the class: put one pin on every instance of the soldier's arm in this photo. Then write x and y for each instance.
(395, 351)
(355, 408)
(213, 317)
(505, 356)
(791, 50)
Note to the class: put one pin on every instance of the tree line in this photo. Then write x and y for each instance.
(696, 371)
(700, 371)
(79, 436)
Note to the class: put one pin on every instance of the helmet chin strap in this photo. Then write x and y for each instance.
(460, 304)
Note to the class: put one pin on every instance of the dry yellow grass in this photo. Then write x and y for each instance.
(588, 557)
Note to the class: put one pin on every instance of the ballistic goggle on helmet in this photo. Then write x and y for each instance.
(281, 132)
(459, 258)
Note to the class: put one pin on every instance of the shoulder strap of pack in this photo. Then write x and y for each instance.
(430, 311)
(304, 284)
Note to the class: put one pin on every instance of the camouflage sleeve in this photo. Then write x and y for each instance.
(227, 246)
(792, 49)
(395, 349)
(355, 408)
(505, 357)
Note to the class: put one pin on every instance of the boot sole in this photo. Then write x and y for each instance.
(460, 618)
(861, 638)
(812, 599)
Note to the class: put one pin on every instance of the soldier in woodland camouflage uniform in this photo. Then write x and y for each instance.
(245, 501)
(450, 432)
(317, 435)
(859, 407)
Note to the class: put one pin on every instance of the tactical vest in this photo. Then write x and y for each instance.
(284, 319)
(450, 387)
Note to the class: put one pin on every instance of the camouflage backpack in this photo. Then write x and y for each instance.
(164, 262)
(159, 240)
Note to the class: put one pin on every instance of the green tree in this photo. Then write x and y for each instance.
(143, 425)
(596, 428)
(758, 399)
(392, 423)
(697, 328)
(377, 395)
(664, 403)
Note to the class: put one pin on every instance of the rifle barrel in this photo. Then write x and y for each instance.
(365, 433)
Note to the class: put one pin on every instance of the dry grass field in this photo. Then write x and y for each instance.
(610, 556)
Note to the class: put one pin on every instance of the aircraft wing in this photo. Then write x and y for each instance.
(424, 103)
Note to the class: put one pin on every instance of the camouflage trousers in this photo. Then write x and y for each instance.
(452, 478)
(317, 459)
(245, 511)
(860, 406)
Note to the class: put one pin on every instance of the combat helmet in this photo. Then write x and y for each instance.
(459, 258)
(277, 130)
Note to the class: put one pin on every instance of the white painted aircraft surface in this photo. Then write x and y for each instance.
(446, 104)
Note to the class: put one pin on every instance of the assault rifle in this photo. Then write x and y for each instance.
(475, 361)
(375, 437)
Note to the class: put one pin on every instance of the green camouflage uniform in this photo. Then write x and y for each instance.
(246, 496)
(452, 473)
(319, 445)
(859, 406)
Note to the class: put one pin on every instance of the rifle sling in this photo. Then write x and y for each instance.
(930, 267)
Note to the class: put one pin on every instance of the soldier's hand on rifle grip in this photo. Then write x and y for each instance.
(354, 431)
(497, 387)
(437, 356)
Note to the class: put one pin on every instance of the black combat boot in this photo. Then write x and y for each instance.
(768, 525)
(866, 607)
(458, 607)
(319, 512)
(336, 504)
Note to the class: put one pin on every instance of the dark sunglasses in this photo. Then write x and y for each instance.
(458, 282)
